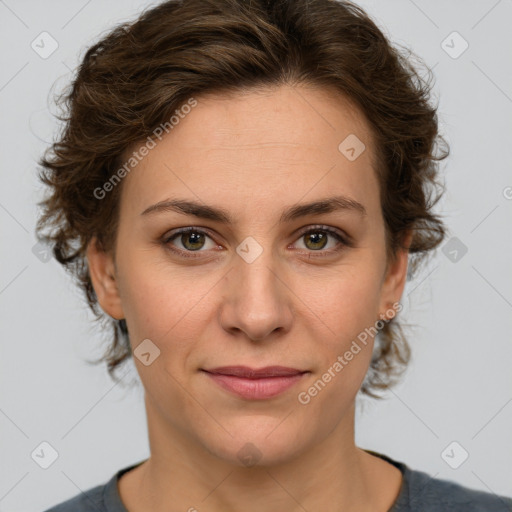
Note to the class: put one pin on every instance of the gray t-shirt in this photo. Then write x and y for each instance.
(419, 493)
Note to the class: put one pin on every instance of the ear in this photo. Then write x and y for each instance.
(396, 275)
(103, 276)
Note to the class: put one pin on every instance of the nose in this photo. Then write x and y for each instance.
(257, 300)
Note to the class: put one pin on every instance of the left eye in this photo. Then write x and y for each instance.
(317, 238)
(194, 239)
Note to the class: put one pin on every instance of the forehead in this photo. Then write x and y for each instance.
(258, 147)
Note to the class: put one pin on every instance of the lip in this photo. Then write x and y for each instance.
(255, 383)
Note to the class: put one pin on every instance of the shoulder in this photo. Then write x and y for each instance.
(101, 498)
(87, 501)
(420, 491)
(433, 494)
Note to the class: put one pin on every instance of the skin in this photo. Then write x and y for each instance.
(253, 154)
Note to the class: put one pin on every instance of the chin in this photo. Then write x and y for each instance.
(259, 442)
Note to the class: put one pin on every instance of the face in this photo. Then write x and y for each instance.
(257, 282)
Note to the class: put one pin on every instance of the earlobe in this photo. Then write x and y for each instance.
(103, 277)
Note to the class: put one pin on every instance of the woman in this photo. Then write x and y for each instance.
(240, 186)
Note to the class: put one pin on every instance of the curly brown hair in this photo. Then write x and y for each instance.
(133, 79)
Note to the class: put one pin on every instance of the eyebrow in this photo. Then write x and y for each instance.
(326, 205)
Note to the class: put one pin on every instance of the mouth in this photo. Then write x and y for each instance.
(255, 384)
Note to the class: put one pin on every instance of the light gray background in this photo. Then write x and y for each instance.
(459, 384)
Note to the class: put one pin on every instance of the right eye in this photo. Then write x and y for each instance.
(191, 239)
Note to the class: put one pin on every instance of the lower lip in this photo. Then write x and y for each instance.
(256, 389)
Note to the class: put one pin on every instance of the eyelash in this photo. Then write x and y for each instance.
(345, 241)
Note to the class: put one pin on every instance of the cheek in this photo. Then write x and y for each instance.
(156, 297)
(348, 307)
(345, 301)
(168, 304)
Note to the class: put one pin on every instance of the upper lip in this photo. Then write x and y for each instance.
(256, 373)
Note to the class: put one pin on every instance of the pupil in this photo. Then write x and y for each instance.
(318, 238)
(195, 238)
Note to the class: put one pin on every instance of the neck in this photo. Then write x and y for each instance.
(331, 475)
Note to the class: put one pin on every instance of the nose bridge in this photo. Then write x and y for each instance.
(258, 301)
(257, 265)
(257, 268)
